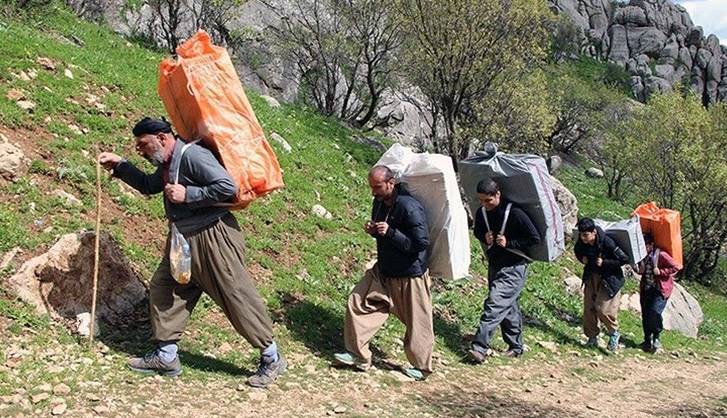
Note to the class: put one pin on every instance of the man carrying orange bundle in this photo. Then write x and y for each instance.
(199, 183)
(657, 282)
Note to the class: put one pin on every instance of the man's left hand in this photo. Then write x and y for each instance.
(501, 240)
(381, 228)
(176, 193)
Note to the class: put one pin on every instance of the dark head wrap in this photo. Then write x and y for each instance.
(151, 126)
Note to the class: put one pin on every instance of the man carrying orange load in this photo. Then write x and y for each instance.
(657, 282)
(199, 183)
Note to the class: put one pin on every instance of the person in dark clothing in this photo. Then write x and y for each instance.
(603, 279)
(505, 232)
(194, 183)
(397, 284)
(657, 272)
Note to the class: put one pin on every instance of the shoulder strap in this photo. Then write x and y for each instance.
(507, 215)
(181, 154)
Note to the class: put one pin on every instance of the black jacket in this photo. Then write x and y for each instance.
(402, 252)
(613, 258)
(519, 232)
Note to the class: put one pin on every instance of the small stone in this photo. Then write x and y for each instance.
(101, 409)
(271, 101)
(321, 212)
(61, 389)
(339, 409)
(67, 72)
(593, 172)
(241, 387)
(26, 104)
(549, 345)
(258, 396)
(401, 376)
(45, 387)
(39, 397)
(46, 63)
(67, 198)
(93, 397)
(59, 409)
(15, 95)
(280, 140)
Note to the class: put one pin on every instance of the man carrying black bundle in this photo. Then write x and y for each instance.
(505, 232)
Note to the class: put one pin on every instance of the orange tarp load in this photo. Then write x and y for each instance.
(665, 226)
(205, 100)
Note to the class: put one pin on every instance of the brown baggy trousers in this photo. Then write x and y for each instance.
(407, 298)
(597, 306)
(218, 269)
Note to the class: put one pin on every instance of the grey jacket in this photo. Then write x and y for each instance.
(206, 180)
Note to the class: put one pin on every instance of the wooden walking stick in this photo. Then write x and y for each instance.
(96, 255)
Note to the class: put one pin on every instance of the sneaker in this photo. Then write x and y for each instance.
(349, 360)
(513, 353)
(416, 374)
(613, 341)
(646, 346)
(153, 363)
(478, 356)
(592, 342)
(268, 372)
(656, 346)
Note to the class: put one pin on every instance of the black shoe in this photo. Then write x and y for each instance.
(513, 353)
(476, 356)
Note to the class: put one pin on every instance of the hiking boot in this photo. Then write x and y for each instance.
(153, 363)
(416, 374)
(613, 341)
(656, 346)
(478, 356)
(513, 353)
(592, 342)
(268, 372)
(646, 345)
(349, 360)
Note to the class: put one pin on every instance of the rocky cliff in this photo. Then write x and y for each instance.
(655, 40)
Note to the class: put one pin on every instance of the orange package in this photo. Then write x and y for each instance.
(205, 99)
(665, 226)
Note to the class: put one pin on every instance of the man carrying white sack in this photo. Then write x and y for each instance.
(217, 250)
(397, 284)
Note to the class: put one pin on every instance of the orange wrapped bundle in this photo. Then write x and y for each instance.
(205, 99)
(665, 226)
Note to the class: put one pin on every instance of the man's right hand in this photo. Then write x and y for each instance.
(370, 227)
(489, 238)
(109, 160)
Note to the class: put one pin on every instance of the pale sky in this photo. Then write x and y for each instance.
(710, 15)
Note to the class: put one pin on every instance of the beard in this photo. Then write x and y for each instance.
(156, 159)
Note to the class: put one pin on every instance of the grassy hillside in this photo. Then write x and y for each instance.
(89, 86)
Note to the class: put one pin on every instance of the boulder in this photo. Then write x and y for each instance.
(619, 52)
(271, 101)
(567, 203)
(321, 212)
(59, 283)
(630, 302)
(573, 285)
(645, 40)
(683, 313)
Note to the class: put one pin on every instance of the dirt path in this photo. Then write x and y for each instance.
(563, 386)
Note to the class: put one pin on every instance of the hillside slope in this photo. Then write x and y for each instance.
(89, 86)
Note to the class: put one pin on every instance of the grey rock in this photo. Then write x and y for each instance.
(11, 159)
(59, 283)
(656, 85)
(573, 285)
(554, 162)
(594, 172)
(685, 57)
(645, 40)
(321, 212)
(567, 203)
(683, 313)
(280, 140)
(704, 56)
(619, 52)
(630, 15)
(665, 71)
(68, 199)
(271, 101)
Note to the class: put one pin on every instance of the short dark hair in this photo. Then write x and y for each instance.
(648, 238)
(382, 169)
(488, 187)
(586, 225)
